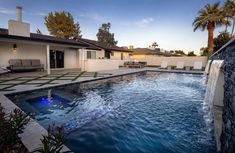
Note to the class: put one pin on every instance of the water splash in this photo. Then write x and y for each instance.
(214, 72)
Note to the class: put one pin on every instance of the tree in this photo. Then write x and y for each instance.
(204, 51)
(62, 25)
(229, 13)
(191, 53)
(104, 34)
(221, 40)
(154, 45)
(209, 18)
(39, 32)
(179, 52)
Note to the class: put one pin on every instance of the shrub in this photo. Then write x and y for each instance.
(53, 141)
(11, 126)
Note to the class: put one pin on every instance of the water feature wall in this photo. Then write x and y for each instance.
(215, 80)
(214, 97)
(228, 125)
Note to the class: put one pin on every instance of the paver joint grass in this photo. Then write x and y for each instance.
(80, 74)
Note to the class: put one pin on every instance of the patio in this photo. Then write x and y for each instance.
(15, 81)
(20, 82)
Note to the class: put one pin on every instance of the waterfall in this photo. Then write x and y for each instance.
(213, 68)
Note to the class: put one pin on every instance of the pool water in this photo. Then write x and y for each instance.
(147, 112)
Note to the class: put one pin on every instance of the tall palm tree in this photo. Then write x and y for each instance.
(229, 12)
(209, 18)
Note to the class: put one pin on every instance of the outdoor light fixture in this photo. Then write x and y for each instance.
(14, 48)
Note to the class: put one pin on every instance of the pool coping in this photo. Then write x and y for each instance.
(32, 139)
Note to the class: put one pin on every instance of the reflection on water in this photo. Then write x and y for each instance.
(147, 112)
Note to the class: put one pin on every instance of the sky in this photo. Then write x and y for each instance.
(134, 22)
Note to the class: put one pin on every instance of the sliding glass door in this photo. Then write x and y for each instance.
(56, 59)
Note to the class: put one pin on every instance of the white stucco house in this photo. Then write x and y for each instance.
(17, 42)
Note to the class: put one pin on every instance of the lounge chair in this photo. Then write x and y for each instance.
(4, 71)
(164, 65)
(197, 66)
(180, 65)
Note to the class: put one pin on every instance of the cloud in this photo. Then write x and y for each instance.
(6, 11)
(144, 21)
(93, 15)
(141, 23)
(37, 14)
(12, 11)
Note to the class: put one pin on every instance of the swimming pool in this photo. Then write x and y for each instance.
(145, 112)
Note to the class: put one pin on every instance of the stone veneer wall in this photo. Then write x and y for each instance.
(228, 125)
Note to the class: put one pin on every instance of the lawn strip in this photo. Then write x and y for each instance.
(95, 74)
(24, 82)
(13, 79)
(56, 78)
(80, 74)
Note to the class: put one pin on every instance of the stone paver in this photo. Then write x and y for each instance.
(27, 83)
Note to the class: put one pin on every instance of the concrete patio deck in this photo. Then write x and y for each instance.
(20, 82)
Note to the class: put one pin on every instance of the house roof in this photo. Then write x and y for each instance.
(45, 39)
(105, 46)
(86, 43)
(146, 51)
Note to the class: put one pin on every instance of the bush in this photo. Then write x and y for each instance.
(11, 126)
(191, 53)
(53, 141)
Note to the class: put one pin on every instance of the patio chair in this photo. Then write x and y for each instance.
(180, 65)
(197, 66)
(164, 65)
(4, 70)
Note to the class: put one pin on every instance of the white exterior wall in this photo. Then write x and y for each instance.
(156, 60)
(35, 51)
(117, 56)
(100, 54)
(24, 51)
(95, 65)
(71, 59)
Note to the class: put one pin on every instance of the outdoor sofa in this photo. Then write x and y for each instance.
(25, 65)
(132, 64)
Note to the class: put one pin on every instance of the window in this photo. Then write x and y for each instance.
(122, 56)
(91, 54)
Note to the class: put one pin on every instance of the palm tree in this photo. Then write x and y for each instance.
(209, 18)
(229, 12)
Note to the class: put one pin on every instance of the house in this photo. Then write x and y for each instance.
(141, 53)
(17, 42)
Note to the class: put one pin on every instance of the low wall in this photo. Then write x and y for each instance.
(157, 60)
(94, 65)
(228, 126)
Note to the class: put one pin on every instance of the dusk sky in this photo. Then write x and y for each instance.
(134, 22)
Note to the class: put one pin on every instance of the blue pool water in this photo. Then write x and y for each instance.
(147, 112)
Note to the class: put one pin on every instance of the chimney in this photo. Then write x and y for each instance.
(19, 13)
(17, 27)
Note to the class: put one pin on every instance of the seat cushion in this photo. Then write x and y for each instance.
(15, 62)
(26, 63)
(36, 63)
